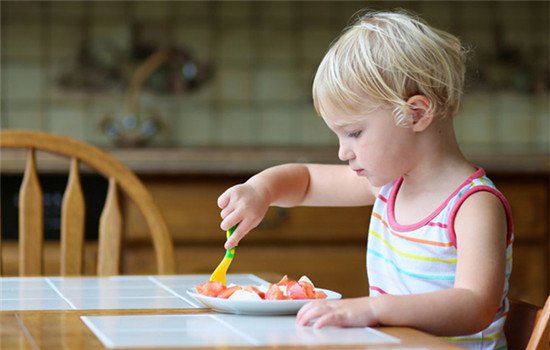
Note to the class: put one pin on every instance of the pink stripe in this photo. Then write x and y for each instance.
(391, 204)
(439, 224)
(382, 198)
(378, 289)
(458, 204)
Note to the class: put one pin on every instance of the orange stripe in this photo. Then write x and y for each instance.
(440, 244)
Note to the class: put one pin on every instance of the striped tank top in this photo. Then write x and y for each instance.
(420, 258)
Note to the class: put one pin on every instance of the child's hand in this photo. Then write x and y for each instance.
(244, 205)
(357, 312)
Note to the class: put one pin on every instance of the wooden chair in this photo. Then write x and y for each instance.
(73, 208)
(528, 326)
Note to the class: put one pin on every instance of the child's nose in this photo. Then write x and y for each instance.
(344, 153)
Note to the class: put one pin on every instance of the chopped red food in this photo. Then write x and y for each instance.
(295, 291)
(275, 293)
(285, 289)
(255, 289)
(319, 294)
(211, 289)
(227, 292)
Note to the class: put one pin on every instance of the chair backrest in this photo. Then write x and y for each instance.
(528, 326)
(73, 208)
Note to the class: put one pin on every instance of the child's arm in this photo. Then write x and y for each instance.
(468, 307)
(287, 186)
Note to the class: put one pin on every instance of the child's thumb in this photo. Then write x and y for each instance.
(234, 239)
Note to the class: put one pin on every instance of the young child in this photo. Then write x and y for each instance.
(439, 246)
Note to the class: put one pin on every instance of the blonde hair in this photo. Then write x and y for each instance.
(385, 58)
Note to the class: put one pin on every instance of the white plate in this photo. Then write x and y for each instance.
(257, 307)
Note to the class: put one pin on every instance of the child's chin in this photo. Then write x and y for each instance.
(377, 181)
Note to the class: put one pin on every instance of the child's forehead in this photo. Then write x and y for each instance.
(342, 121)
(341, 117)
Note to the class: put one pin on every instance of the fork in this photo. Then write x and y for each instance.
(219, 274)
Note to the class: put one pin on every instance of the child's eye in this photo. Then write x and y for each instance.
(354, 134)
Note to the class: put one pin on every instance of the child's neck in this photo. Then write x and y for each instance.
(440, 169)
(439, 158)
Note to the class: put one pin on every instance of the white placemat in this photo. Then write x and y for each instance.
(209, 330)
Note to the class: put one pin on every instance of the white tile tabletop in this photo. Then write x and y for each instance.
(117, 292)
(158, 330)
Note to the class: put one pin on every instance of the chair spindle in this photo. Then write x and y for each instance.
(72, 224)
(110, 233)
(31, 220)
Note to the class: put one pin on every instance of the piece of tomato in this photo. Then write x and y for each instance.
(296, 292)
(227, 292)
(275, 293)
(320, 294)
(308, 289)
(211, 289)
(285, 281)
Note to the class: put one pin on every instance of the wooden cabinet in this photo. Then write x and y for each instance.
(529, 198)
(189, 206)
(327, 244)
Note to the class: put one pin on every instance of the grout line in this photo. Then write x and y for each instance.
(170, 290)
(26, 333)
(11, 299)
(119, 297)
(245, 336)
(60, 294)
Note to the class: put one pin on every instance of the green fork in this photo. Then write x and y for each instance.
(219, 274)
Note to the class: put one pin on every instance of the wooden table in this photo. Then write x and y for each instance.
(63, 329)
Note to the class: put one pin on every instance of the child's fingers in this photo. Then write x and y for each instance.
(303, 310)
(223, 200)
(237, 235)
(230, 220)
(225, 212)
(319, 311)
(309, 312)
(330, 319)
(241, 230)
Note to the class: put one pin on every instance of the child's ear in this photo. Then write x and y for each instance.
(421, 111)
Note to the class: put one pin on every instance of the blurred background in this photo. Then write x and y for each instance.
(239, 73)
(197, 96)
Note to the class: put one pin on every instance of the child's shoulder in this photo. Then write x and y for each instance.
(479, 198)
(479, 182)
